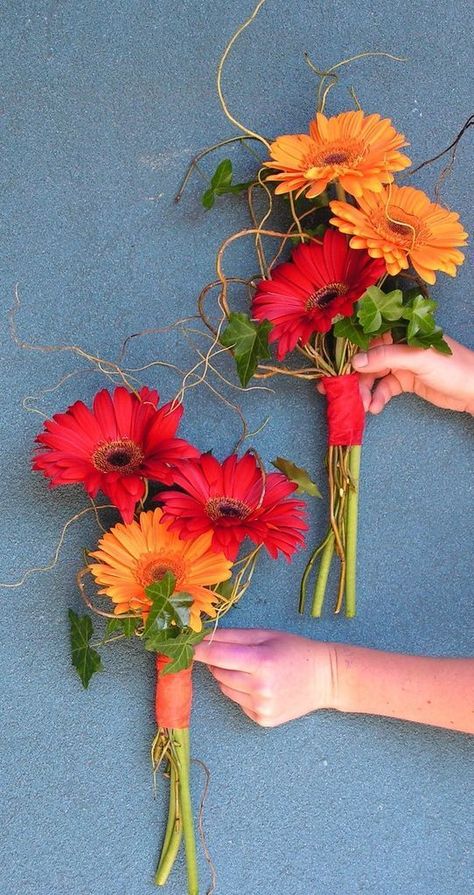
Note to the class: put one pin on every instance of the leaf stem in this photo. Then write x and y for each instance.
(351, 530)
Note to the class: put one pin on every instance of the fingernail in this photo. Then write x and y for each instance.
(360, 360)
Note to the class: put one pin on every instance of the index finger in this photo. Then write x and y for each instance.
(233, 656)
(246, 636)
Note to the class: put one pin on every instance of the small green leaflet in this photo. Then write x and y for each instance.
(431, 340)
(180, 649)
(377, 307)
(126, 626)
(249, 344)
(422, 330)
(419, 313)
(86, 660)
(318, 232)
(225, 588)
(296, 474)
(350, 328)
(409, 318)
(221, 183)
(168, 608)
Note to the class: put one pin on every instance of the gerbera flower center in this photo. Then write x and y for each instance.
(324, 296)
(346, 154)
(402, 228)
(226, 508)
(122, 455)
(153, 567)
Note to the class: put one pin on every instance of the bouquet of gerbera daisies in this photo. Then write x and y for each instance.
(165, 574)
(364, 250)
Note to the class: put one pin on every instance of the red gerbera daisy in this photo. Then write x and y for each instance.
(319, 283)
(124, 440)
(235, 500)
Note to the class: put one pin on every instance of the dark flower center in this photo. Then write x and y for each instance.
(336, 158)
(402, 228)
(153, 567)
(226, 508)
(323, 297)
(396, 227)
(158, 572)
(347, 153)
(123, 456)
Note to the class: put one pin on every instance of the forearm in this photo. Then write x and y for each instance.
(427, 690)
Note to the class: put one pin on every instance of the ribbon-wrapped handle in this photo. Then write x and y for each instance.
(345, 410)
(173, 698)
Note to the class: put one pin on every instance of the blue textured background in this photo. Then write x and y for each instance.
(102, 106)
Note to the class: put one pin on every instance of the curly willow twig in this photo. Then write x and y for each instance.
(220, 69)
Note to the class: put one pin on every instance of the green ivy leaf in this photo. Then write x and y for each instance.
(126, 626)
(222, 176)
(419, 313)
(350, 328)
(113, 625)
(375, 308)
(225, 588)
(168, 608)
(86, 660)
(295, 474)
(235, 187)
(430, 340)
(221, 183)
(208, 198)
(318, 232)
(130, 625)
(249, 344)
(179, 648)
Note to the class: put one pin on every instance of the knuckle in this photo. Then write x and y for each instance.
(265, 721)
(264, 707)
(264, 694)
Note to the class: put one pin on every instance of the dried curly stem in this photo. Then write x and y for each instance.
(52, 565)
(220, 69)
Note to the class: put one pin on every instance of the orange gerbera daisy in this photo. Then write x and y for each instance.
(360, 151)
(402, 225)
(131, 557)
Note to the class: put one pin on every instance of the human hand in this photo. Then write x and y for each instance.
(387, 370)
(274, 677)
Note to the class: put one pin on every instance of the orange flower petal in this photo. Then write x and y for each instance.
(402, 225)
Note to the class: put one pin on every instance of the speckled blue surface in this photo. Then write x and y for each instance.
(103, 104)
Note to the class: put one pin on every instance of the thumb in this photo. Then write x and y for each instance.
(382, 358)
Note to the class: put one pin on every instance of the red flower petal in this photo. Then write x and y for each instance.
(235, 500)
(320, 282)
(114, 447)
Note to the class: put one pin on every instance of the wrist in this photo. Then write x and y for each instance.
(346, 667)
(325, 675)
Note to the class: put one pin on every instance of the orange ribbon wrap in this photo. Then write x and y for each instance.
(173, 697)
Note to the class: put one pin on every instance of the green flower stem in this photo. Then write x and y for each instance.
(173, 808)
(323, 574)
(168, 857)
(307, 572)
(340, 192)
(173, 834)
(351, 530)
(183, 761)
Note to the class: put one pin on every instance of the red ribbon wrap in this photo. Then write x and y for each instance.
(173, 696)
(345, 410)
